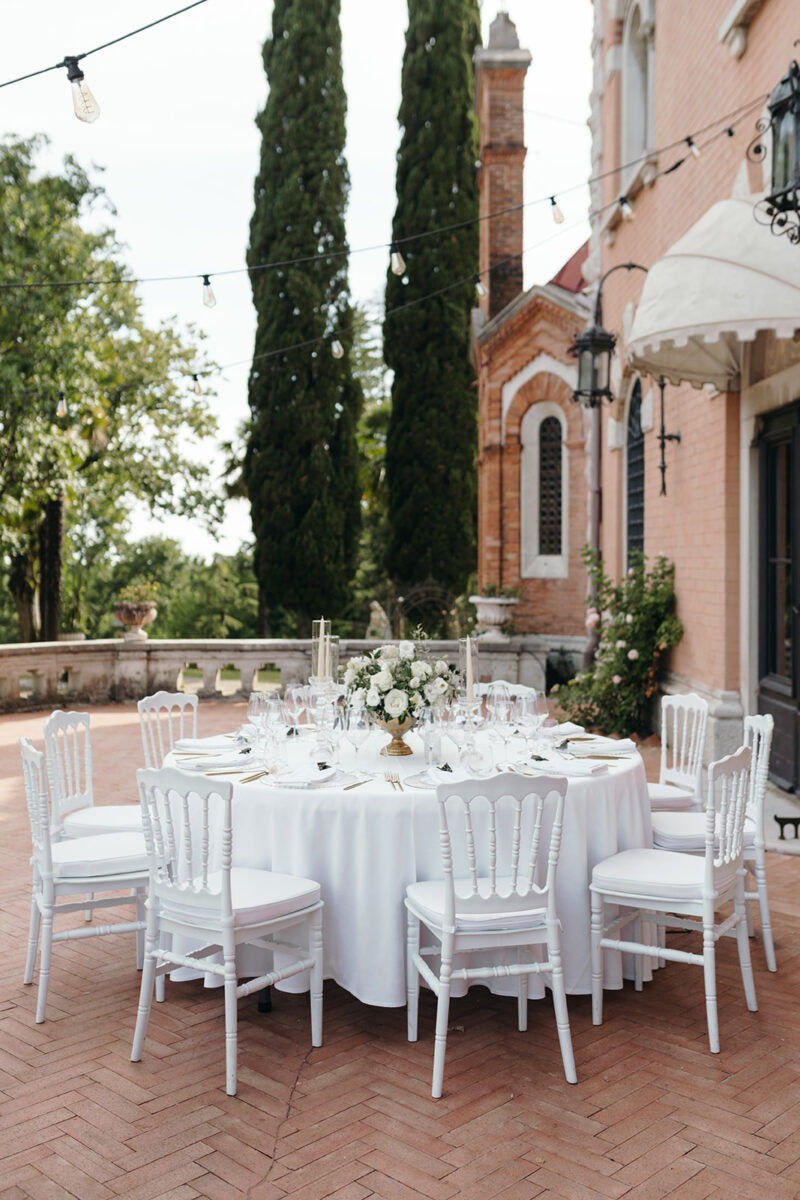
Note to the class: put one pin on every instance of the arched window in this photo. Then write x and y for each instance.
(544, 494)
(635, 473)
(550, 486)
(637, 117)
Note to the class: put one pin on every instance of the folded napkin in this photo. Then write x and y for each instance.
(213, 762)
(570, 766)
(600, 745)
(565, 727)
(301, 777)
(219, 741)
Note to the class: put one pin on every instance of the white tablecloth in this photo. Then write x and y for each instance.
(364, 846)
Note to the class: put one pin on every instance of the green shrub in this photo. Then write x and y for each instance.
(635, 623)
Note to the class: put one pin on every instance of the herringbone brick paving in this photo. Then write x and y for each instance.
(654, 1114)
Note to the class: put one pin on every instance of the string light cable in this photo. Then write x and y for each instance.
(728, 121)
(76, 58)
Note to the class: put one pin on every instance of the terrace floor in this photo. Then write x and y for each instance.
(654, 1113)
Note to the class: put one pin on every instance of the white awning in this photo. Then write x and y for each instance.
(726, 279)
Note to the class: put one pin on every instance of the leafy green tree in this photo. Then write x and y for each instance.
(96, 411)
(301, 468)
(431, 446)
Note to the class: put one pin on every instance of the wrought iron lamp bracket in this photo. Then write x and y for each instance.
(663, 438)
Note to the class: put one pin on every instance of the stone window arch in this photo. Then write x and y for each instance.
(544, 493)
(637, 82)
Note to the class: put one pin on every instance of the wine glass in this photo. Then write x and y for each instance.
(356, 727)
(296, 702)
(541, 711)
(256, 709)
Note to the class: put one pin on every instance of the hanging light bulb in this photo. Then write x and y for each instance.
(61, 408)
(556, 212)
(479, 288)
(209, 299)
(397, 260)
(86, 107)
(625, 208)
(198, 391)
(695, 149)
(337, 350)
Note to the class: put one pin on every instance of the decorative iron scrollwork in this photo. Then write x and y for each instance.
(781, 221)
(757, 150)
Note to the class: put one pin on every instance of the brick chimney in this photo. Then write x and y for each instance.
(500, 78)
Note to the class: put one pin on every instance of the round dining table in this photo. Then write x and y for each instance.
(365, 839)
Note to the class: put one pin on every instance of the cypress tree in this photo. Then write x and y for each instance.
(301, 465)
(431, 445)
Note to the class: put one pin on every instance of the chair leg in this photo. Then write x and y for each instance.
(560, 1005)
(44, 961)
(146, 988)
(522, 1004)
(315, 945)
(412, 975)
(597, 959)
(743, 943)
(637, 958)
(140, 933)
(710, 973)
(33, 942)
(442, 1018)
(763, 908)
(231, 1003)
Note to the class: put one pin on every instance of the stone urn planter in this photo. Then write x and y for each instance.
(134, 615)
(493, 613)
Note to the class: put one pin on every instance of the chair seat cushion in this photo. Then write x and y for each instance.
(103, 818)
(102, 854)
(687, 831)
(427, 900)
(256, 896)
(661, 873)
(668, 797)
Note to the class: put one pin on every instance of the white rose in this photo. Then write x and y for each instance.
(357, 697)
(414, 683)
(395, 702)
(435, 690)
(349, 676)
(388, 652)
(382, 681)
(406, 650)
(421, 669)
(441, 667)
(373, 698)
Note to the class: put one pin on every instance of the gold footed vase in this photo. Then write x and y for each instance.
(396, 728)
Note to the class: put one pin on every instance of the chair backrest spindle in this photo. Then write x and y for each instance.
(163, 718)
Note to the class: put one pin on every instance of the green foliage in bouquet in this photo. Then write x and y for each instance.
(636, 624)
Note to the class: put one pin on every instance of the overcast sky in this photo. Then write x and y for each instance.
(179, 149)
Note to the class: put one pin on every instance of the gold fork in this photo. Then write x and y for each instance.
(390, 779)
(396, 779)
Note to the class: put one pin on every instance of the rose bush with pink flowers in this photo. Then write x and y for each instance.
(636, 625)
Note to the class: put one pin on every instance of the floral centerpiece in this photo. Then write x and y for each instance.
(396, 686)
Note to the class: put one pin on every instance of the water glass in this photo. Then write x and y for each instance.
(356, 727)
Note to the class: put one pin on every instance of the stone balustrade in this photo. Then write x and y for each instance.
(120, 669)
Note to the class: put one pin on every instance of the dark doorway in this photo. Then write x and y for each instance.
(779, 589)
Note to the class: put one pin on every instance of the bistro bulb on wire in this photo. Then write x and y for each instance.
(337, 350)
(479, 288)
(693, 146)
(625, 208)
(209, 299)
(86, 107)
(198, 391)
(61, 408)
(397, 261)
(556, 212)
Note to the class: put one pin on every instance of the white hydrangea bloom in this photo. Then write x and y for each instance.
(421, 669)
(373, 698)
(388, 652)
(441, 667)
(406, 650)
